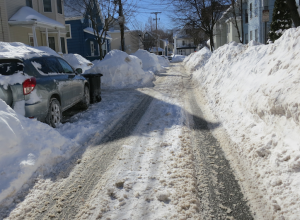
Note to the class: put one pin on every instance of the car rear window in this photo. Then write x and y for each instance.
(47, 65)
(10, 66)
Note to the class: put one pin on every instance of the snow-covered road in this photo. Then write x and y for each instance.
(155, 158)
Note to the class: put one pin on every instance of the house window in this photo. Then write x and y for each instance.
(246, 16)
(228, 28)
(51, 41)
(29, 3)
(250, 10)
(183, 43)
(256, 35)
(90, 23)
(63, 45)
(246, 38)
(68, 31)
(92, 46)
(47, 6)
(59, 6)
(31, 42)
(250, 35)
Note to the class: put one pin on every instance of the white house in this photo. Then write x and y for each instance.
(183, 42)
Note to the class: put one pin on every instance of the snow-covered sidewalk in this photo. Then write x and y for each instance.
(253, 90)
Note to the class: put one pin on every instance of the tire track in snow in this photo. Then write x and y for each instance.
(218, 190)
(71, 195)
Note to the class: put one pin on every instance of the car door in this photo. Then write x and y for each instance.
(75, 83)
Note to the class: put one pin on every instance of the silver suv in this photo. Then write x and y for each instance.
(54, 87)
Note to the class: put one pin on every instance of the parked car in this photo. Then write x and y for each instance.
(54, 87)
(169, 58)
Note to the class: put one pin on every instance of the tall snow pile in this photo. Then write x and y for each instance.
(163, 61)
(150, 61)
(198, 59)
(254, 92)
(25, 145)
(78, 61)
(178, 58)
(121, 70)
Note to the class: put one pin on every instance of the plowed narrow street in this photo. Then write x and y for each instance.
(159, 161)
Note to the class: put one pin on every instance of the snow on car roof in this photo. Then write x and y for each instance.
(23, 51)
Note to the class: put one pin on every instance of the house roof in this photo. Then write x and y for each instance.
(27, 15)
(91, 31)
(153, 49)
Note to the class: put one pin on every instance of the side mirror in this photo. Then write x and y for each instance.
(79, 70)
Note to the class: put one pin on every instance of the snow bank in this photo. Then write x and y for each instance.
(78, 61)
(254, 92)
(121, 71)
(178, 58)
(25, 145)
(198, 59)
(163, 61)
(150, 61)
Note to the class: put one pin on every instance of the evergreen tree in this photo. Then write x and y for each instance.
(281, 20)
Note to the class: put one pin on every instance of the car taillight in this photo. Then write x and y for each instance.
(29, 85)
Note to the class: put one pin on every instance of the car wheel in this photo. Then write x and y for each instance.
(86, 98)
(54, 113)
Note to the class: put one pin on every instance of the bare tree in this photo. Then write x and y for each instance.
(91, 10)
(202, 14)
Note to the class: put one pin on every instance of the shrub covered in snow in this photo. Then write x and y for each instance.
(150, 61)
(254, 92)
(78, 61)
(122, 71)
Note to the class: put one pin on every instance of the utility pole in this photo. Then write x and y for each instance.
(155, 19)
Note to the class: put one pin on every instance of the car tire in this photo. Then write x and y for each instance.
(86, 99)
(54, 115)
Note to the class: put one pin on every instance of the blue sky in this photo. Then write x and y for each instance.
(143, 12)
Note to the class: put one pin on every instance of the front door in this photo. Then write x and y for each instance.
(92, 48)
(51, 41)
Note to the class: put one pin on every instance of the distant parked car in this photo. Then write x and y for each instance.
(169, 58)
(54, 87)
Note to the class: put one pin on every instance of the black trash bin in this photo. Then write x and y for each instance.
(95, 86)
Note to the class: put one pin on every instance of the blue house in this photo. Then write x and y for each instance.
(81, 23)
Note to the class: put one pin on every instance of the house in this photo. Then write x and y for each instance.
(254, 27)
(133, 40)
(34, 22)
(184, 42)
(225, 30)
(82, 21)
(157, 50)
